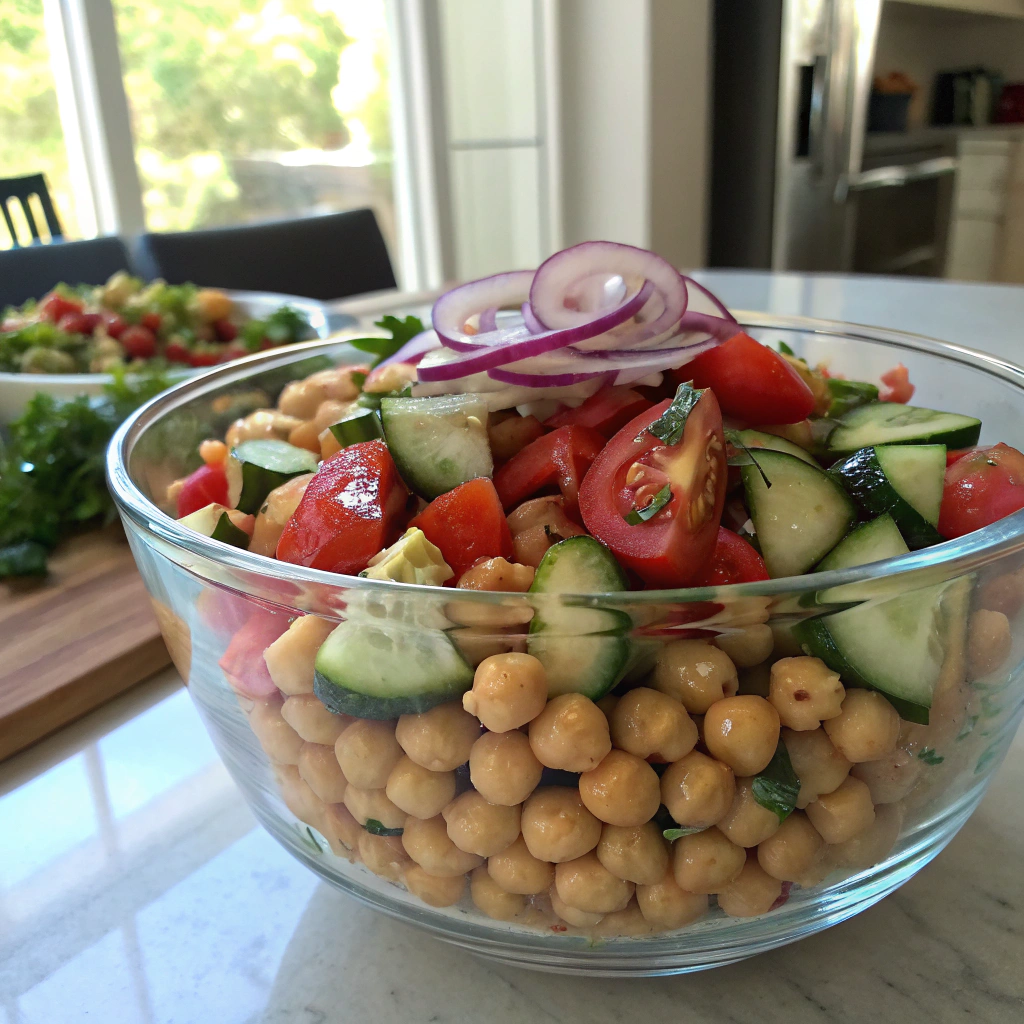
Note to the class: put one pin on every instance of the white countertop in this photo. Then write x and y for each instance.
(135, 885)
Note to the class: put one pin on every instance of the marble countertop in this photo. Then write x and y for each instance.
(136, 887)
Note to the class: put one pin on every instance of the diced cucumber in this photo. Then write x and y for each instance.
(904, 481)
(848, 395)
(869, 542)
(361, 425)
(800, 517)
(384, 669)
(583, 650)
(254, 468)
(891, 423)
(759, 439)
(437, 443)
(214, 521)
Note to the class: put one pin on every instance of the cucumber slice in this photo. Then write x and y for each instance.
(254, 468)
(904, 481)
(800, 517)
(869, 542)
(214, 522)
(361, 425)
(583, 650)
(759, 439)
(385, 669)
(890, 423)
(437, 443)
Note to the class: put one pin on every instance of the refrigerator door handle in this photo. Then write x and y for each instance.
(816, 126)
(902, 174)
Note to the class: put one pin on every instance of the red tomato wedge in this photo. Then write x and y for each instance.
(734, 561)
(467, 524)
(243, 663)
(674, 547)
(896, 386)
(751, 382)
(352, 508)
(560, 458)
(606, 411)
(982, 486)
(208, 484)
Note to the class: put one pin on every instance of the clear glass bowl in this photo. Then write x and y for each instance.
(209, 596)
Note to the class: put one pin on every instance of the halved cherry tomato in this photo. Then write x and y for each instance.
(751, 382)
(467, 524)
(243, 663)
(734, 561)
(206, 485)
(674, 547)
(352, 508)
(225, 330)
(560, 458)
(138, 342)
(115, 324)
(896, 386)
(79, 323)
(153, 321)
(983, 485)
(605, 411)
(54, 306)
(177, 353)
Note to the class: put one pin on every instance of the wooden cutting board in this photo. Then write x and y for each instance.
(75, 639)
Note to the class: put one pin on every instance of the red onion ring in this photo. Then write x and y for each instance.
(704, 301)
(489, 319)
(531, 321)
(454, 308)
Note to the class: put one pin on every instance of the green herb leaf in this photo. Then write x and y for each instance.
(649, 511)
(359, 379)
(849, 394)
(929, 756)
(777, 787)
(968, 727)
(669, 426)
(785, 349)
(401, 332)
(672, 834)
(375, 827)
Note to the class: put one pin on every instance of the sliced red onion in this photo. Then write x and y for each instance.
(415, 348)
(539, 380)
(489, 319)
(531, 321)
(713, 326)
(703, 301)
(454, 308)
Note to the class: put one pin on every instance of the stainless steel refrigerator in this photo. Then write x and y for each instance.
(793, 185)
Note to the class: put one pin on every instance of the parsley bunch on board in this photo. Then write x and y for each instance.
(52, 469)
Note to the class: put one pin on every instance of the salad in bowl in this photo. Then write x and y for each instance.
(589, 630)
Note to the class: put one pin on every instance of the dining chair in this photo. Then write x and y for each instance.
(31, 271)
(320, 257)
(22, 189)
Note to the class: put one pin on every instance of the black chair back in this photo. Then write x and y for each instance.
(326, 257)
(30, 272)
(22, 189)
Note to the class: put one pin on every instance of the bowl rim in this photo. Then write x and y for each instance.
(927, 565)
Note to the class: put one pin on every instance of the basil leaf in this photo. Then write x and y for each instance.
(642, 515)
(670, 828)
(401, 331)
(785, 349)
(669, 426)
(849, 394)
(777, 787)
(359, 379)
(672, 834)
(929, 756)
(374, 827)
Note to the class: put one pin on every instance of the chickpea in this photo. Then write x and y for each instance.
(439, 739)
(577, 918)
(476, 826)
(434, 891)
(510, 435)
(844, 813)
(627, 923)
(213, 453)
(695, 673)
(867, 729)
(667, 907)
(302, 398)
(621, 790)
(273, 516)
(426, 842)
(705, 862)
(648, 723)
(305, 436)
(367, 752)
(330, 412)
(751, 893)
(557, 826)
(792, 850)
(419, 791)
(477, 643)
(509, 690)
(874, 844)
(747, 823)
(805, 691)
(890, 778)
(497, 574)
(213, 304)
(341, 830)
(263, 423)
(491, 899)
(373, 805)
(818, 765)
(1003, 593)
(392, 377)
(570, 733)
(743, 732)
(504, 768)
(299, 797)
(337, 382)
(312, 721)
(319, 767)
(278, 739)
(516, 870)
(587, 885)
(383, 855)
(291, 657)
(697, 790)
(988, 641)
(536, 525)
(326, 443)
(747, 647)
(637, 853)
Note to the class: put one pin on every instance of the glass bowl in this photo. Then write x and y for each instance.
(220, 608)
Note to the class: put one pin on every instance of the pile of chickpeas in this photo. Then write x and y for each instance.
(477, 795)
